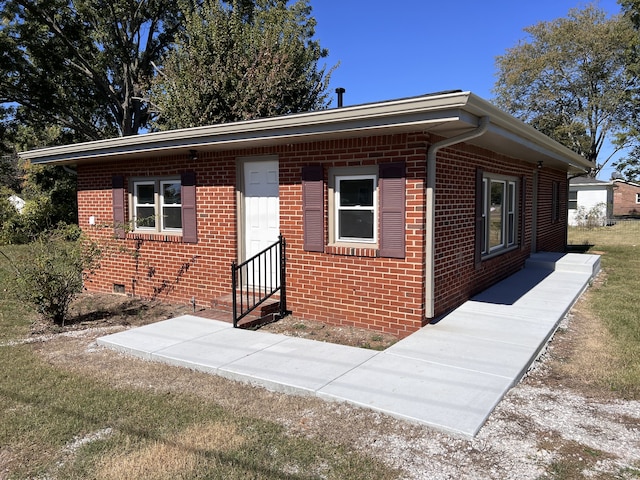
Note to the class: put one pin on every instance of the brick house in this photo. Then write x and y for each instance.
(394, 212)
(626, 199)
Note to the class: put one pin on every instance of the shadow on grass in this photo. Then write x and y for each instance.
(579, 248)
(120, 312)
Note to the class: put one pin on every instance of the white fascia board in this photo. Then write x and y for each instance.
(515, 129)
(420, 112)
(416, 113)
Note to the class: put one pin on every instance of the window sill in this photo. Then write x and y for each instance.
(155, 237)
(497, 253)
(352, 250)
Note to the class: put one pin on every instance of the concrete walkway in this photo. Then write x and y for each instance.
(449, 375)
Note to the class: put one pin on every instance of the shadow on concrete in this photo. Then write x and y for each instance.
(512, 289)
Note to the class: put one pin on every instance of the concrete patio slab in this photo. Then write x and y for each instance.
(316, 364)
(451, 399)
(144, 341)
(224, 346)
(470, 353)
(449, 375)
(499, 327)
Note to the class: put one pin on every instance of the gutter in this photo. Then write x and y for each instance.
(430, 211)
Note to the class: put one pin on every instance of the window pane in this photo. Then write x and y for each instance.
(172, 217)
(171, 193)
(145, 194)
(483, 246)
(145, 217)
(495, 214)
(512, 197)
(356, 192)
(355, 224)
(512, 229)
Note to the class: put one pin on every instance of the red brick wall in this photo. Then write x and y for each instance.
(624, 200)
(552, 234)
(383, 294)
(456, 276)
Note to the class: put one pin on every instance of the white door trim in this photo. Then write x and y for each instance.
(243, 201)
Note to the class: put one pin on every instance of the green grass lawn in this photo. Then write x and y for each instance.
(45, 409)
(623, 232)
(615, 303)
(48, 413)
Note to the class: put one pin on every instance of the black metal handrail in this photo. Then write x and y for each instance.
(259, 278)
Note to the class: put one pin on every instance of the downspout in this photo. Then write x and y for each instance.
(430, 212)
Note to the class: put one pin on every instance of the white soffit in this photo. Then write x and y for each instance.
(445, 114)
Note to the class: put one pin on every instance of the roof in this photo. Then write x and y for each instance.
(445, 114)
(588, 181)
(620, 180)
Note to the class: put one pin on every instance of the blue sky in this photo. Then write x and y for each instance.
(405, 48)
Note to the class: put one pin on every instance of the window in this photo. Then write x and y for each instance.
(573, 199)
(498, 218)
(355, 208)
(157, 205)
(637, 197)
(366, 211)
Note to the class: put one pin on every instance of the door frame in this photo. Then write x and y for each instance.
(240, 199)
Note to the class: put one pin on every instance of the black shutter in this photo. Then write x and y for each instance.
(189, 223)
(479, 220)
(392, 186)
(523, 210)
(117, 193)
(313, 208)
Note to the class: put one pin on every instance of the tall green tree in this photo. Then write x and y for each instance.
(570, 80)
(83, 65)
(239, 61)
(629, 165)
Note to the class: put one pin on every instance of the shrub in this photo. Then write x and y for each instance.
(595, 217)
(55, 273)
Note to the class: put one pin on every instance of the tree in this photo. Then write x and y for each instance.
(83, 65)
(629, 166)
(570, 80)
(240, 61)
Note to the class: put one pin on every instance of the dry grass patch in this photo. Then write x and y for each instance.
(178, 457)
(582, 353)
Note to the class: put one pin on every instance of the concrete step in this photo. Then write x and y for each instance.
(565, 262)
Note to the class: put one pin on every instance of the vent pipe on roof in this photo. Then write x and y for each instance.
(430, 213)
(340, 91)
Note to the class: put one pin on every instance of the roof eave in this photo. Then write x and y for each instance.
(439, 112)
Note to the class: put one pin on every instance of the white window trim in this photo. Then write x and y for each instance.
(158, 205)
(134, 210)
(638, 198)
(351, 172)
(509, 209)
(163, 205)
(365, 208)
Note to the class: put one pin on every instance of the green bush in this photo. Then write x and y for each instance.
(55, 273)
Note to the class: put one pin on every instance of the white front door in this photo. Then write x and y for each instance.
(261, 210)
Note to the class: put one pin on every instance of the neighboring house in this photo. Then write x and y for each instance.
(590, 202)
(626, 199)
(17, 202)
(394, 213)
